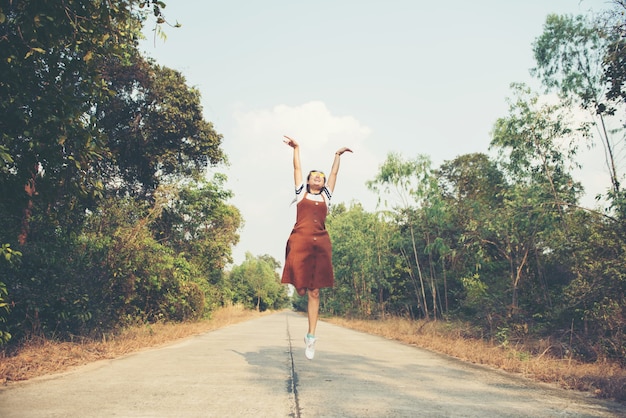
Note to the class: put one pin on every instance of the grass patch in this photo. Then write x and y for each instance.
(39, 356)
(533, 360)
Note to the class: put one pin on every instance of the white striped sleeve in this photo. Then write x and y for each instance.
(327, 193)
(299, 194)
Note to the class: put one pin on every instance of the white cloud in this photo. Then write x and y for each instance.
(312, 124)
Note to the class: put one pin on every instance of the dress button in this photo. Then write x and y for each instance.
(314, 239)
(317, 203)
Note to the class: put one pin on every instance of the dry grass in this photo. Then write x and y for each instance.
(604, 380)
(38, 356)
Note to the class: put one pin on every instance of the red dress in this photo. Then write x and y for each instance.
(308, 256)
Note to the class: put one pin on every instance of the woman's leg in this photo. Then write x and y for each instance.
(313, 307)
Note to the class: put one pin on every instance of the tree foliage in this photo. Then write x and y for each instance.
(364, 264)
(255, 283)
(416, 201)
(615, 59)
(104, 157)
(579, 59)
(503, 241)
(155, 128)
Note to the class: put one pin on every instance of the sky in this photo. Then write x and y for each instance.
(410, 77)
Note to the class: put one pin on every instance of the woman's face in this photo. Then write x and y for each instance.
(316, 179)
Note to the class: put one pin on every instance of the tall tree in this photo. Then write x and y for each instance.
(535, 151)
(582, 59)
(51, 57)
(155, 128)
(572, 56)
(407, 182)
(472, 188)
(536, 144)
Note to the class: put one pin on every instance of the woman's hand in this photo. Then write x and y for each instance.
(291, 142)
(342, 150)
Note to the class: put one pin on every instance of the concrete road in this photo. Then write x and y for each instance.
(258, 369)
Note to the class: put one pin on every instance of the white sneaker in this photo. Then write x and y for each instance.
(309, 351)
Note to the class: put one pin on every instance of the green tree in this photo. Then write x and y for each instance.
(51, 59)
(472, 189)
(134, 277)
(362, 263)
(408, 183)
(92, 135)
(536, 153)
(536, 144)
(113, 274)
(155, 129)
(615, 59)
(198, 223)
(582, 60)
(435, 219)
(590, 317)
(572, 56)
(7, 256)
(256, 284)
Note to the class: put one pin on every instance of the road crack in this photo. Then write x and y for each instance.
(292, 383)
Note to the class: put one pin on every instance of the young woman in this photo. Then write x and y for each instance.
(308, 256)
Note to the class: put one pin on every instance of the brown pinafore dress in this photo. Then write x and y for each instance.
(308, 256)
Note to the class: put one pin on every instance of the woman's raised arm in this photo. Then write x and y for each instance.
(297, 168)
(332, 177)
